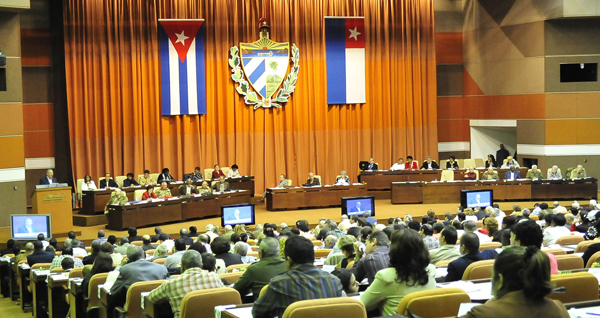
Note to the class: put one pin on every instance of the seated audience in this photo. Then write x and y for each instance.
(165, 176)
(312, 181)
(164, 191)
(146, 179)
(491, 225)
(556, 229)
(101, 239)
(228, 232)
(129, 181)
(578, 172)
(9, 247)
(136, 270)
(220, 247)
(217, 172)
(528, 233)
(347, 247)
(534, 173)
(471, 174)
(39, 255)
(161, 252)
(512, 174)
(469, 248)
(426, 233)
(123, 245)
(147, 243)
(471, 227)
(67, 264)
(195, 176)
(183, 234)
(377, 257)
(342, 179)
(108, 181)
(204, 188)
(221, 185)
(157, 232)
(520, 284)
(241, 248)
(175, 259)
(372, 220)
(410, 164)
(234, 172)
(188, 188)
(349, 283)
(102, 264)
(451, 163)
(448, 250)
(118, 197)
(372, 166)
(193, 277)
(398, 165)
(133, 235)
(193, 232)
(211, 264)
(302, 281)
(89, 260)
(66, 253)
(510, 162)
(490, 161)
(490, 174)
(260, 273)
(429, 164)
(149, 194)
(88, 183)
(409, 272)
(554, 173)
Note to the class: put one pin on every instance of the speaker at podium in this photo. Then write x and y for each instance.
(55, 199)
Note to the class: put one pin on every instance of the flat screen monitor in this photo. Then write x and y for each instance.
(28, 226)
(234, 214)
(358, 205)
(476, 198)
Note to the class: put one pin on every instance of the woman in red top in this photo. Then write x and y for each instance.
(217, 172)
(410, 164)
(149, 194)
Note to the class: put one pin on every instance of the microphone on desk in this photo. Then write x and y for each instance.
(559, 290)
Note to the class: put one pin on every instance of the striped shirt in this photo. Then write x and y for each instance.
(370, 264)
(175, 289)
(57, 261)
(302, 282)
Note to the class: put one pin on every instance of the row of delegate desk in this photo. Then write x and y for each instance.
(503, 190)
(94, 201)
(311, 197)
(176, 209)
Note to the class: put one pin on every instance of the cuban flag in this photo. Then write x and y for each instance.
(345, 49)
(182, 67)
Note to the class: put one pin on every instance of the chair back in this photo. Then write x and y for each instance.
(593, 259)
(160, 260)
(447, 175)
(289, 182)
(150, 251)
(580, 286)
(252, 242)
(79, 192)
(78, 256)
(119, 180)
(233, 277)
(88, 249)
(489, 246)
(154, 176)
(555, 251)
(583, 246)
(94, 300)
(479, 270)
(327, 307)
(202, 303)
(137, 195)
(443, 163)
(133, 301)
(225, 170)
(139, 176)
(317, 243)
(9, 255)
(100, 179)
(39, 265)
(420, 303)
(461, 163)
(254, 248)
(479, 163)
(534, 217)
(319, 177)
(569, 262)
(570, 239)
(236, 268)
(57, 270)
(468, 163)
(263, 290)
(253, 253)
(76, 272)
(442, 263)
(208, 174)
(350, 265)
(323, 252)
(137, 243)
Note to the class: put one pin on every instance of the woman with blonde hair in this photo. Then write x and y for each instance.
(239, 229)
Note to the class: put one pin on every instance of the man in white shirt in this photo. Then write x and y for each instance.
(471, 227)
(175, 259)
(510, 162)
(398, 165)
(556, 229)
(210, 233)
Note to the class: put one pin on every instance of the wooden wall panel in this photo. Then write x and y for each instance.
(39, 144)
(38, 117)
(453, 130)
(449, 47)
(11, 119)
(12, 152)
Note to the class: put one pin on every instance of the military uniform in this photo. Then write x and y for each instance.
(114, 199)
(490, 176)
(163, 193)
(581, 174)
(203, 190)
(143, 181)
(534, 175)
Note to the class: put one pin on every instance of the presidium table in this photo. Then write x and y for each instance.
(94, 201)
(176, 209)
(522, 189)
(311, 197)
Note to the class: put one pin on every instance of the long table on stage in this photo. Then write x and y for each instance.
(311, 197)
(523, 189)
(94, 201)
(144, 213)
(381, 180)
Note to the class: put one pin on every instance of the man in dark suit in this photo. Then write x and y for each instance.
(183, 234)
(501, 154)
(89, 260)
(133, 235)
(513, 174)
(111, 182)
(481, 214)
(27, 227)
(429, 164)
(48, 179)
(136, 270)
(372, 165)
(188, 188)
(130, 181)
(312, 181)
(356, 207)
(39, 255)
(158, 232)
(221, 185)
(469, 248)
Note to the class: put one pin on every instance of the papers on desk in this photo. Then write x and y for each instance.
(42, 273)
(319, 262)
(465, 308)
(328, 268)
(441, 272)
(242, 312)
(480, 291)
(580, 254)
(60, 277)
(24, 266)
(74, 281)
(144, 295)
(590, 312)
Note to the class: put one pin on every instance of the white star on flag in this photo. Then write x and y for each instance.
(181, 38)
(354, 34)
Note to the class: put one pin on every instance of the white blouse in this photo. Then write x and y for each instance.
(233, 174)
(88, 186)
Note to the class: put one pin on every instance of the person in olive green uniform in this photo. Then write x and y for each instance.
(490, 174)
(204, 188)
(117, 197)
(164, 191)
(146, 179)
(260, 273)
(578, 172)
(534, 173)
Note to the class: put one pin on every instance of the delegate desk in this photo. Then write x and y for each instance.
(94, 201)
(4, 276)
(57, 303)
(77, 299)
(159, 211)
(305, 197)
(40, 292)
(524, 189)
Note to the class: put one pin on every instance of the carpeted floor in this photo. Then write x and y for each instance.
(10, 309)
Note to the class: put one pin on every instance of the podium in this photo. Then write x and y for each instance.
(56, 202)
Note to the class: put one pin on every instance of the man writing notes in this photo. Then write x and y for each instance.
(534, 173)
(49, 178)
(108, 181)
(512, 174)
(372, 165)
(312, 181)
(429, 164)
